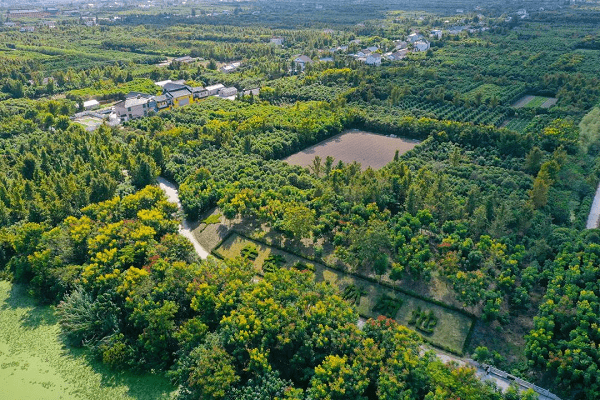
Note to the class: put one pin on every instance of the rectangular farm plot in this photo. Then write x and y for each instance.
(439, 325)
(530, 101)
(368, 149)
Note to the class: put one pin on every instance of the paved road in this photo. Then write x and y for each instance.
(592, 221)
(184, 229)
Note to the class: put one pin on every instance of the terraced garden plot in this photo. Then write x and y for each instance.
(516, 124)
(34, 363)
(441, 326)
(530, 101)
(368, 149)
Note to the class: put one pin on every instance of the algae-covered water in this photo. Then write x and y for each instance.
(35, 364)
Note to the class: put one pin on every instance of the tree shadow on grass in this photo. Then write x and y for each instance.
(142, 386)
(36, 316)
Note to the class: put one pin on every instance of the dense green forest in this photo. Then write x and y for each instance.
(486, 215)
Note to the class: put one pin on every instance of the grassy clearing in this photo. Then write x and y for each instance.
(452, 327)
(517, 124)
(530, 101)
(34, 363)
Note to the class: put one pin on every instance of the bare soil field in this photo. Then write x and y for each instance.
(368, 149)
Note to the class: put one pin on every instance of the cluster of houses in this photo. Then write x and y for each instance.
(175, 94)
(373, 56)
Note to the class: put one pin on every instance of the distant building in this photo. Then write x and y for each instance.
(162, 102)
(180, 96)
(134, 107)
(277, 40)
(436, 33)
(184, 59)
(199, 92)
(372, 49)
(302, 61)
(397, 55)
(214, 89)
(400, 44)
(230, 67)
(90, 105)
(228, 92)
(27, 29)
(34, 13)
(422, 45)
(373, 59)
(414, 37)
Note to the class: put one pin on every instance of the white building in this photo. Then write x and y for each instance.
(90, 104)
(214, 89)
(414, 37)
(373, 59)
(302, 61)
(277, 40)
(230, 67)
(228, 92)
(422, 45)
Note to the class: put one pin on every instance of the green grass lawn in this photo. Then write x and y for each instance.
(452, 327)
(35, 364)
(536, 102)
(517, 124)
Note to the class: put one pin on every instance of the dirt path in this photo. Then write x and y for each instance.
(185, 228)
(592, 222)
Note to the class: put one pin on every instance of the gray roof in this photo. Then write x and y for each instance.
(304, 59)
(136, 94)
(161, 98)
(170, 87)
(198, 89)
(180, 93)
(132, 102)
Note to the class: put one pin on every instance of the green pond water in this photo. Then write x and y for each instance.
(35, 364)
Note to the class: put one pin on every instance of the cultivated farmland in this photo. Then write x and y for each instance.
(530, 101)
(368, 149)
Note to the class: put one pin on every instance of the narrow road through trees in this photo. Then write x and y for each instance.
(185, 227)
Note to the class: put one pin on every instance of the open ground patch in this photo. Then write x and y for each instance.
(442, 326)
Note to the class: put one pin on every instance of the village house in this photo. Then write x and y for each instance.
(199, 92)
(302, 61)
(400, 44)
(134, 107)
(230, 67)
(414, 37)
(437, 33)
(422, 45)
(397, 55)
(228, 92)
(373, 59)
(214, 89)
(91, 104)
(372, 49)
(162, 102)
(180, 96)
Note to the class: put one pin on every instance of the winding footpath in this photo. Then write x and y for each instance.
(185, 227)
(592, 222)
